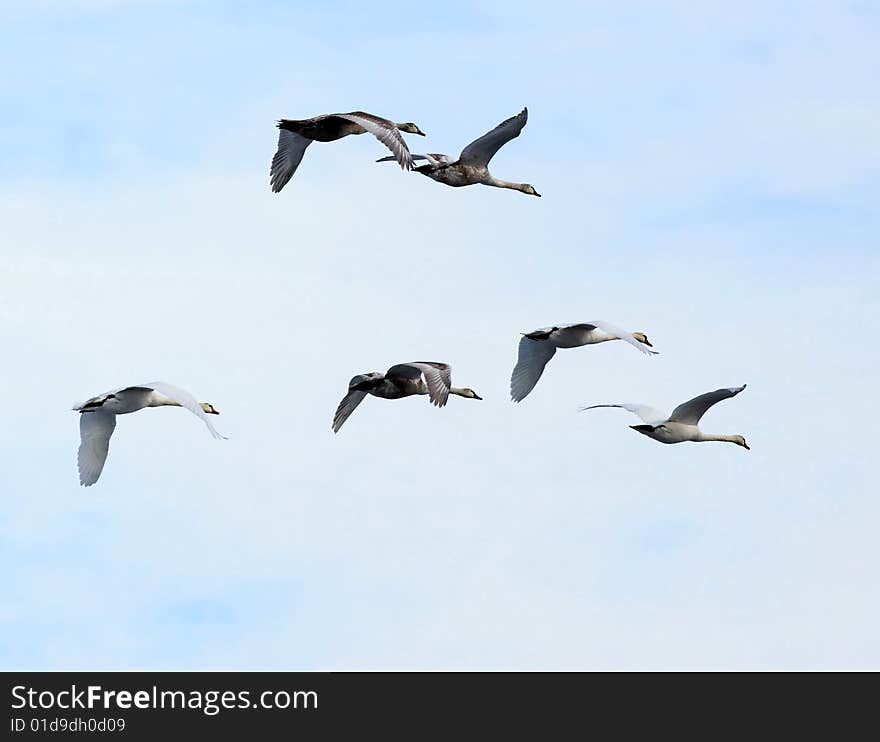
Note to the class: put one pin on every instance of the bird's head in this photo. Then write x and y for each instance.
(740, 441)
(642, 338)
(530, 190)
(209, 408)
(411, 128)
(470, 394)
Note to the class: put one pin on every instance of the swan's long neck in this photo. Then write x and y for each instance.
(713, 437)
(160, 400)
(491, 180)
(459, 391)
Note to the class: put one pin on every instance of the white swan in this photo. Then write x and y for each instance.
(681, 425)
(98, 420)
(538, 347)
(402, 380)
(296, 135)
(472, 165)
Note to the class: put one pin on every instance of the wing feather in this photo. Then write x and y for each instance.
(437, 376)
(385, 131)
(95, 429)
(650, 415)
(348, 404)
(690, 412)
(434, 160)
(291, 148)
(533, 357)
(482, 150)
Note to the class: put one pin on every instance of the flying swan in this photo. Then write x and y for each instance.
(98, 420)
(402, 380)
(296, 135)
(472, 165)
(681, 425)
(538, 347)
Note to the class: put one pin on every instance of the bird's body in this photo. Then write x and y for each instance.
(402, 380)
(127, 400)
(297, 134)
(394, 387)
(536, 348)
(682, 425)
(454, 174)
(472, 165)
(326, 128)
(98, 419)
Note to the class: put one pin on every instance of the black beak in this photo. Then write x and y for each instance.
(477, 396)
(746, 446)
(648, 343)
(421, 133)
(214, 411)
(537, 194)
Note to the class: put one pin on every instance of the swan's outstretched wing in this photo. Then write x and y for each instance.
(348, 404)
(185, 400)
(690, 412)
(291, 148)
(622, 334)
(438, 377)
(649, 414)
(95, 429)
(481, 150)
(385, 131)
(533, 357)
(354, 397)
(434, 159)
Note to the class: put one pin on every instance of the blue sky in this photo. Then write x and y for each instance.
(710, 176)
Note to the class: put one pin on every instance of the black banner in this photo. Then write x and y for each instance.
(254, 705)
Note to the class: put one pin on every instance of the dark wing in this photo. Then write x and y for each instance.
(690, 412)
(346, 407)
(481, 150)
(291, 148)
(351, 400)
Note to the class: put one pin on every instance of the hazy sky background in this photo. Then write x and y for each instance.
(710, 175)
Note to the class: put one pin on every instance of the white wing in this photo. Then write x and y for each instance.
(533, 357)
(386, 132)
(622, 334)
(348, 404)
(690, 412)
(649, 414)
(95, 429)
(438, 377)
(291, 148)
(481, 150)
(185, 400)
